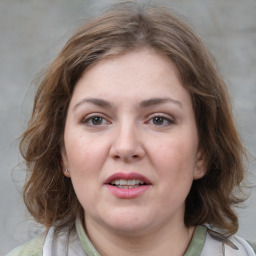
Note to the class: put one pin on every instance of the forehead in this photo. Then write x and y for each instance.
(144, 64)
(136, 75)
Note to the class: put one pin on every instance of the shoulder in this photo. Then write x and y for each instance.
(33, 247)
(231, 246)
(243, 246)
(253, 245)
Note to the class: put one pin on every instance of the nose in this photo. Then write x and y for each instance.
(127, 144)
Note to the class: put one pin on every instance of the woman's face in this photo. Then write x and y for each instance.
(131, 144)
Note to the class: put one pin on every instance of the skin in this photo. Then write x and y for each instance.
(157, 139)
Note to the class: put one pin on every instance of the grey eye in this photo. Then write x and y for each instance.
(96, 120)
(159, 120)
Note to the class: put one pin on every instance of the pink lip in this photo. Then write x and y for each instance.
(127, 193)
(127, 176)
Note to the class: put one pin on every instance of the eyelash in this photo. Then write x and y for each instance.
(168, 121)
(88, 120)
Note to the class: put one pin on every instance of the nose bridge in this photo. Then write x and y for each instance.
(126, 143)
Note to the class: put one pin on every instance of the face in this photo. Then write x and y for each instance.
(131, 144)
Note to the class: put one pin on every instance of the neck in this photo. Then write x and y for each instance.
(167, 241)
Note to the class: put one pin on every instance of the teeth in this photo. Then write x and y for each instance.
(123, 182)
(128, 186)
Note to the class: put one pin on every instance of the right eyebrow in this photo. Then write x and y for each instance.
(95, 101)
(158, 101)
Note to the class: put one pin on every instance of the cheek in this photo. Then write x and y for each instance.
(83, 152)
(175, 158)
(85, 168)
(84, 162)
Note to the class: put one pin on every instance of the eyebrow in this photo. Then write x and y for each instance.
(158, 101)
(95, 101)
(144, 104)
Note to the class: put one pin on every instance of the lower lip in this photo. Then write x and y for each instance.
(128, 193)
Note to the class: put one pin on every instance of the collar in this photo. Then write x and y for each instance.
(194, 249)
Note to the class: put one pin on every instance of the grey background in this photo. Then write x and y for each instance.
(33, 31)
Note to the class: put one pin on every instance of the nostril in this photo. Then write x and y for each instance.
(127, 152)
(126, 157)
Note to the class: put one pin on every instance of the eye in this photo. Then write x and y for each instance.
(161, 121)
(95, 120)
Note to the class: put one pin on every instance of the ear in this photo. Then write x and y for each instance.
(64, 163)
(200, 166)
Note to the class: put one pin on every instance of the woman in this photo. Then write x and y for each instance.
(131, 148)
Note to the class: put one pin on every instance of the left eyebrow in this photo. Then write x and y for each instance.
(158, 101)
(94, 101)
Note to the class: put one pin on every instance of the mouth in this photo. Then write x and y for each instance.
(127, 180)
(127, 185)
(122, 183)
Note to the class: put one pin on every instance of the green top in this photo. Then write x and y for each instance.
(85, 241)
(197, 243)
(194, 249)
(34, 247)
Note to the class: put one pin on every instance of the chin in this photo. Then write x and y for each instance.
(127, 221)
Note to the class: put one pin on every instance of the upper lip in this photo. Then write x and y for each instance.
(127, 176)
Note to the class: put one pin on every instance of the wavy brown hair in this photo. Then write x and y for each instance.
(49, 195)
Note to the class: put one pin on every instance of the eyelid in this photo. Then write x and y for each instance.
(167, 117)
(89, 117)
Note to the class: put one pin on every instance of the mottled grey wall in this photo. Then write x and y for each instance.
(33, 31)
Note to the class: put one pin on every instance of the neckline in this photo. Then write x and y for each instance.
(195, 247)
(197, 242)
